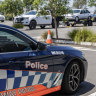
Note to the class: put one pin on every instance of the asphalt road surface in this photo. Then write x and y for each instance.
(62, 30)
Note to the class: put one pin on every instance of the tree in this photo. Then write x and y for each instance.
(79, 3)
(14, 7)
(1, 8)
(92, 3)
(28, 4)
(56, 7)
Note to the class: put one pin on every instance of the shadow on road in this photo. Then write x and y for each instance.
(84, 88)
(27, 29)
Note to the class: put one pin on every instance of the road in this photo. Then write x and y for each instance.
(62, 31)
(86, 88)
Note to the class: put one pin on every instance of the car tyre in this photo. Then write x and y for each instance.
(32, 25)
(77, 19)
(85, 23)
(90, 23)
(2, 20)
(71, 78)
(43, 26)
(89, 18)
(72, 25)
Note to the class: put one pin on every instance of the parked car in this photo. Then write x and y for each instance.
(28, 67)
(2, 18)
(34, 18)
(79, 14)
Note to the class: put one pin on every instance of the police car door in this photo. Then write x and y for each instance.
(20, 54)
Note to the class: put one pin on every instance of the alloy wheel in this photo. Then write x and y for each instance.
(74, 77)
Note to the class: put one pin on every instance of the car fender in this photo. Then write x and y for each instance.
(32, 19)
(84, 66)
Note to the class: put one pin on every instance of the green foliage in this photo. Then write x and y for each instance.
(1, 8)
(37, 4)
(14, 7)
(44, 35)
(82, 35)
(79, 3)
(92, 3)
(73, 34)
(8, 17)
(18, 25)
(56, 7)
(91, 38)
(28, 4)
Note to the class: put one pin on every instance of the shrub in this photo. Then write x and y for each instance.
(18, 25)
(44, 35)
(73, 34)
(82, 35)
(91, 39)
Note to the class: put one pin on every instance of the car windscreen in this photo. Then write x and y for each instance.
(31, 13)
(76, 11)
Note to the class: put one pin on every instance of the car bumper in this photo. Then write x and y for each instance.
(70, 18)
(85, 63)
(2, 18)
(24, 22)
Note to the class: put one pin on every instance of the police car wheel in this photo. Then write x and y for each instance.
(71, 79)
(32, 25)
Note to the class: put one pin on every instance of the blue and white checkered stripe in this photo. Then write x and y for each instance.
(16, 79)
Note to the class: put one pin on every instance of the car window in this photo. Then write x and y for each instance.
(31, 13)
(13, 42)
(86, 11)
(76, 11)
(82, 11)
(41, 13)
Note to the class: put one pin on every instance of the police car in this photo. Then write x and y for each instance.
(31, 68)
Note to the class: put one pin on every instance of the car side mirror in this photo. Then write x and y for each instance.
(41, 46)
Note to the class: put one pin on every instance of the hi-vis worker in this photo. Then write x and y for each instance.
(49, 40)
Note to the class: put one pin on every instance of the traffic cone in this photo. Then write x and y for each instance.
(49, 40)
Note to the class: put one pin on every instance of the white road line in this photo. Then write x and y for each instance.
(84, 48)
(93, 94)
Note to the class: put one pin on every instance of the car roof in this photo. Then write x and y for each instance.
(14, 29)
